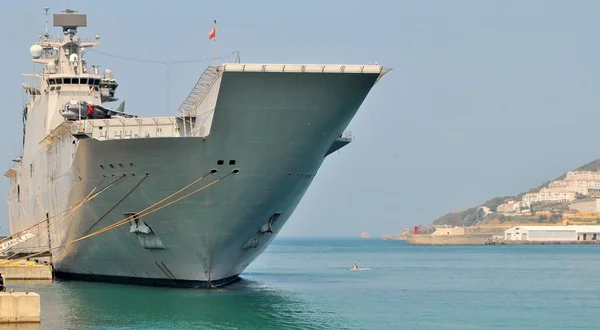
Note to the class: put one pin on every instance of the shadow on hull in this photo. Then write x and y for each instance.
(157, 282)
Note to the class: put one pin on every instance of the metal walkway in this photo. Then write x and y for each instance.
(189, 105)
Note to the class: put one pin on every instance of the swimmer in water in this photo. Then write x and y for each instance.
(355, 267)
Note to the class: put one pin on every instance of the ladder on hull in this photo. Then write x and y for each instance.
(189, 105)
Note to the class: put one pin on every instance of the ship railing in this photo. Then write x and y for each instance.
(313, 68)
(84, 69)
(46, 56)
(347, 135)
(128, 128)
(189, 106)
(53, 40)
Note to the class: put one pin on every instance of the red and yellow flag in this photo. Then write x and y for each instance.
(213, 32)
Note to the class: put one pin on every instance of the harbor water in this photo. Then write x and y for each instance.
(308, 284)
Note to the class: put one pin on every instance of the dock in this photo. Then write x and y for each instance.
(22, 307)
(19, 307)
(456, 236)
(481, 239)
(473, 239)
(26, 270)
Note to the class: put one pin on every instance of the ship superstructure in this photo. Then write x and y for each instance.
(253, 136)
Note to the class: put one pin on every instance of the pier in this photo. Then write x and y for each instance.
(19, 307)
(27, 270)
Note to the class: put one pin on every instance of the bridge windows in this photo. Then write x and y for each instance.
(74, 81)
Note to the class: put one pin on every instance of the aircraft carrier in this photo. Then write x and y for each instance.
(249, 137)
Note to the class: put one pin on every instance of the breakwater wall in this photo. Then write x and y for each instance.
(19, 307)
(479, 239)
(469, 239)
(503, 242)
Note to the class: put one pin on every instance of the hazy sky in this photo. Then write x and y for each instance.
(486, 97)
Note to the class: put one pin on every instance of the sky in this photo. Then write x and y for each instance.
(486, 98)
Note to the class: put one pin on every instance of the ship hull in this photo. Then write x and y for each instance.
(274, 141)
(203, 235)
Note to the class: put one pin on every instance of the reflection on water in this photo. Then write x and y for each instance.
(244, 305)
(308, 284)
(294, 285)
(21, 326)
(26, 283)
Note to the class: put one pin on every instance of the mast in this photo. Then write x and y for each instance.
(47, 32)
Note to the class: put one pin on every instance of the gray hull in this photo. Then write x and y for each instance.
(274, 128)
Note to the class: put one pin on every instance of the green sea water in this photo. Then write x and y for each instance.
(308, 284)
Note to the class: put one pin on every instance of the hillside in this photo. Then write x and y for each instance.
(475, 215)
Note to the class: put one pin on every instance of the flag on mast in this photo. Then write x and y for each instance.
(213, 32)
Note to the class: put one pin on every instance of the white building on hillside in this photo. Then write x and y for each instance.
(577, 175)
(550, 195)
(588, 179)
(510, 208)
(574, 186)
(486, 210)
(552, 233)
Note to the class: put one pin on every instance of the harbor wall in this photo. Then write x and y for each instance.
(449, 231)
(37, 272)
(19, 307)
(544, 242)
(479, 239)
(473, 239)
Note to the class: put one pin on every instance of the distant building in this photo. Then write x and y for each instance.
(550, 195)
(588, 179)
(486, 210)
(552, 233)
(510, 208)
(574, 186)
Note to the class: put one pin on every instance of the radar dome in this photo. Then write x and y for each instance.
(108, 74)
(51, 67)
(36, 51)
